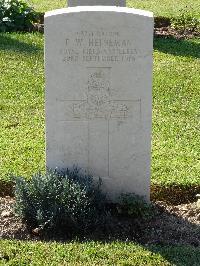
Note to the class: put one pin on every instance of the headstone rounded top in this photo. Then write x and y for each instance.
(96, 3)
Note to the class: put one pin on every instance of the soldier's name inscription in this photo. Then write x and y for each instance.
(99, 46)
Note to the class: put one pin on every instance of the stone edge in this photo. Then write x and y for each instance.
(78, 9)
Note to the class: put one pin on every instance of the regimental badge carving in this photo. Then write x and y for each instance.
(99, 103)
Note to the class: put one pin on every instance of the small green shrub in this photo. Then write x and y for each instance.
(186, 22)
(69, 201)
(16, 15)
(134, 206)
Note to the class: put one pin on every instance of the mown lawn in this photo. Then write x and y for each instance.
(176, 123)
(165, 8)
(46, 5)
(95, 253)
(176, 102)
(21, 104)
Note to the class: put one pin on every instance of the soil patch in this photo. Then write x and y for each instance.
(169, 32)
(164, 29)
(169, 225)
(174, 194)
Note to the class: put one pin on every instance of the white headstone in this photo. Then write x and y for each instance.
(98, 63)
(96, 2)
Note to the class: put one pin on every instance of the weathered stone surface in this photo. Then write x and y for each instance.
(98, 63)
(96, 2)
(6, 214)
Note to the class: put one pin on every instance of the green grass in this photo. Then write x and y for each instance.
(46, 5)
(166, 8)
(21, 104)
(95, 253)
(176, 123)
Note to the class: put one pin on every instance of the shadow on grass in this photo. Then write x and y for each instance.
(178, 255)
(12, 42)
(187, 48)
(174, 238)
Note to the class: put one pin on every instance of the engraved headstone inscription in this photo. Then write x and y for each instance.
(98, 64)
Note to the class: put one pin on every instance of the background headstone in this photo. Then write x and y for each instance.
(96, 2)
(98, 63)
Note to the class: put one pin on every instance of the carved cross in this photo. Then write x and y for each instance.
(98, 110)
